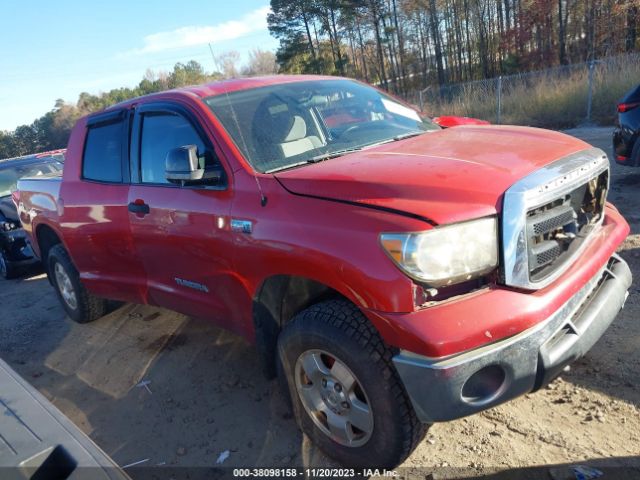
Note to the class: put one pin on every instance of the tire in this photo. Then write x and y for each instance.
(635, 154)
(332, 335)
(80, 305)
(7, 269)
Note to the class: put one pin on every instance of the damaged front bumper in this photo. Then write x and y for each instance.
(451, 387)
(16, 247)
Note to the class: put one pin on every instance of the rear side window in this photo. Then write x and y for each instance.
(103, 153)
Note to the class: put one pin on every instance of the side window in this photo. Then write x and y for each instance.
(102, 159)
(162, 132)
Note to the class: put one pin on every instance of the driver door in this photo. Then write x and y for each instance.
(176, 229)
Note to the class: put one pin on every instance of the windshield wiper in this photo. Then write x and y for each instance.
(329, 155)
(402, 136)
(316, 159)
(409, 135)
(338, 153)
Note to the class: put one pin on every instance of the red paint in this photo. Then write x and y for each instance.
(444, 176)
(51, 153)
(448, 121)
(436, 175)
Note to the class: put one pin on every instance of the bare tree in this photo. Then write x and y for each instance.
(226, 63)
(261, 62)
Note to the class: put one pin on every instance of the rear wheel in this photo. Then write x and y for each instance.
(80, 305)
(346, 395)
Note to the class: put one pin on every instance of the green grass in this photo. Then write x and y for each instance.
(552, 99)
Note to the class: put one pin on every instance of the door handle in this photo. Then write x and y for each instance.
(139, 207)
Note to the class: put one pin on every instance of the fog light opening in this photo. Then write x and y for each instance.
(484, 385)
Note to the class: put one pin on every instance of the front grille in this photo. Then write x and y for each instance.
(551, 219)
(544, 253)
(557, 228)
(548, 215)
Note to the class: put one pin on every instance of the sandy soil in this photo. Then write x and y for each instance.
(149, 384)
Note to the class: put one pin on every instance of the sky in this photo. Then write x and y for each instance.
(51, 50)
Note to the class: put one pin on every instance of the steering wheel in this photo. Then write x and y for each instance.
(352, 128)
(369, 126)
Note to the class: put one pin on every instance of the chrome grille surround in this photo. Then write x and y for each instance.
(537, 189)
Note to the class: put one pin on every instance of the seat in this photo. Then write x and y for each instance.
(279, 132)
(297, 142)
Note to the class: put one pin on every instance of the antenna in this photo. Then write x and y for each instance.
(213, 57)
(263, 198)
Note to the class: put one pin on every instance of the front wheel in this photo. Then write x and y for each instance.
(346, 394)
(80, 305)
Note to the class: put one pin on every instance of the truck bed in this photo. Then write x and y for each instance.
(36, 183)
(40, 193)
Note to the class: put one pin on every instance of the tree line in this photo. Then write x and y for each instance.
(400, 45)
(409, 44)
(51, 131)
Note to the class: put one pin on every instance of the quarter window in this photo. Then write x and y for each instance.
(162, 132)
(103, 153)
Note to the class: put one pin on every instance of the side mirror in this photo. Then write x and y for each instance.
(182, 167)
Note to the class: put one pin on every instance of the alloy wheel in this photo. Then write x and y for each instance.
(65, 286)
(334, 398)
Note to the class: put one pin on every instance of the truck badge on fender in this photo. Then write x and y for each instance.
(242, 226)
(190, 284)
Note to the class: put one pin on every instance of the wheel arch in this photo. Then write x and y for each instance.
(46, 238)
(278, 299)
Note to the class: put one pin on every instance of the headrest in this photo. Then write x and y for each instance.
(298, 129)
(272, 121)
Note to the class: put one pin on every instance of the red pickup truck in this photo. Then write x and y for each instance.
(393, 273)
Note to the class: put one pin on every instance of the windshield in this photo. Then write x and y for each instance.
(285, 125)
(13, 171)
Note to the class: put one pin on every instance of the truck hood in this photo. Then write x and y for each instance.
(443, 176)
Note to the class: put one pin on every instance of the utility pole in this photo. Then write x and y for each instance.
(590, 91)
(499, 92)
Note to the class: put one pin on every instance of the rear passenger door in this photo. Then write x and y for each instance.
(180, 232)
(95, 220)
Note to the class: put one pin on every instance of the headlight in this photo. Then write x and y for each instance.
(8, 226)
(446, 255)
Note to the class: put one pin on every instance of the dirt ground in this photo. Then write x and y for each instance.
(151, 385)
